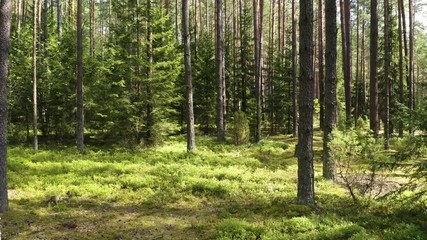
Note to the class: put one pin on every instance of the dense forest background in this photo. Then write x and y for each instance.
(338, 84)
(133, 73)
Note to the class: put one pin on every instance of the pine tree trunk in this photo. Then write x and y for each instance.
(149, 106)
(258, 68)
(220, 65)
(387, 57)
(59, 20)
(191, 139)
(306, 107)
(92, 28)
(374, 107)
(294, 69)
(401, 76)
(320, 61)
(5, 23)
(411, 63)
(346, 54)
(35, 113)
(330, 87)
(19, 22)
(80, 116)
(357, 107)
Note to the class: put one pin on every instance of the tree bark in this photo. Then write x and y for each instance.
(401, 76)
(294, 69)
(35, 113)
(330, 87)
(320, 61)
(220, 66)
(92, 28)
(346, 54)
(257, 8)
(374, 108)
(191, 139)
(387, 56)
(59, 20)
(306, 107)
(80, 115)
(411, 63)
(5, 23)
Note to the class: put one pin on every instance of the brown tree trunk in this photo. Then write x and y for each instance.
(5, 23)
(59, 20)
(92, 28)
(374, 107)
(294, 69)
(387, 56)
(220, 66)
(35, 113)
(258, 11)
(357, 107)
(330, 87)
(346, 54)
(320, 60)
(80, 116)
(306, 106)
(401, 76)
(191, 139)
(411, 63)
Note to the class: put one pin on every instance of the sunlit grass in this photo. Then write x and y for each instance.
(219, 191)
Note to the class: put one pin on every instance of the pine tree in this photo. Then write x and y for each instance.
(5, 23)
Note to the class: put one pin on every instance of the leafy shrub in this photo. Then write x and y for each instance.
(299, 225)
(404, 231)
(357, 156)
(238, 229)
(240, 128)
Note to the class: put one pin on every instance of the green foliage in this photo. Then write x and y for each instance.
(219, 191)
(240, 128)
(357, 156)
(404, 231)
(234, 229)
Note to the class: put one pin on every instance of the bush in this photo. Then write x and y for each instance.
(358, 157)
(238, 229)
(240, 128)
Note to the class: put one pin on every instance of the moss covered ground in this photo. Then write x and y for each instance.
(221, 191)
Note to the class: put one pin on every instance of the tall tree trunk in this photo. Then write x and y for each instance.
(363, 70)
(411, 62)
(401, 76)
(346, 54)
(306, 107)
(294, 69)
(35, 113)
(387, 57)
(257, 8)
(357, 107)
(374, 108)
(191, 139)
(220, 66)
(330, 87)
(80, 116)
(235, 56)
(149, 105)
(243, 54)
(92, 28)
(19, 20)
(320, 60)
(59, 20)
(5, 23)
(45, 23)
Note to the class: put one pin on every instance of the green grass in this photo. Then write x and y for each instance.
(220, 191)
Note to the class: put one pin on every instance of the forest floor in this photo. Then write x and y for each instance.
(221, 191)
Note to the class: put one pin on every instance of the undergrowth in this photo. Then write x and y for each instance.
(220, 191)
